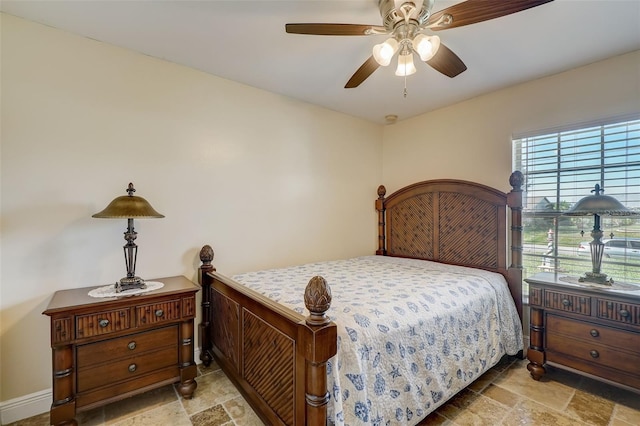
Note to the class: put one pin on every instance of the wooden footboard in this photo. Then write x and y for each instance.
(275, 356)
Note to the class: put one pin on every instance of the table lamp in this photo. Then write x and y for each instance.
(129, 207)
(597, 205)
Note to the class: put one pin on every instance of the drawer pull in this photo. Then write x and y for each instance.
(131, 345)
(594, 332)
(566, 302)
(133, 367)
(159, 312)
(103, 323)
(594, 354)
(624, 313)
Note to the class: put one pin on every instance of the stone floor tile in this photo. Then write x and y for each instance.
(129, 407)
(590, 408)
(214, 416)
(528, 412)
(612, 393)
(458, 403)
(501, 395)
(627, 414)
(241, 412)
(213, 389)
(547, 392)
(481, 411)
(169, 414)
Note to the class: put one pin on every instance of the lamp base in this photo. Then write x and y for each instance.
(596, 278)
(129, 284)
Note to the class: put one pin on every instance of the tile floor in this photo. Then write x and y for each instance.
(504, 395)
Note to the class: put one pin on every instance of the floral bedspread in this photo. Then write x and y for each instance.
(411, 333)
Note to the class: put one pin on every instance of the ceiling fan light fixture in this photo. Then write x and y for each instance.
(383, 52)
(404, 21)
(405, 64)
(426, 46)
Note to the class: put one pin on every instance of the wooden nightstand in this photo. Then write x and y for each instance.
(588, 328)
(106, 349)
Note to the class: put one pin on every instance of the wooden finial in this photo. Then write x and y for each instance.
(382, 191)
(206, 255)
(516, 180)
(317, 299)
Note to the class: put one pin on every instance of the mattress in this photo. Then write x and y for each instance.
(411, 333)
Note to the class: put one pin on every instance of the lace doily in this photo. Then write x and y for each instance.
(110, 290)
(615, 286)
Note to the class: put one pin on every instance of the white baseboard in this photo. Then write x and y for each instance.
(25, 406)
(37, 403)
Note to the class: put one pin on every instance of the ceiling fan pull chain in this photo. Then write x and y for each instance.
(405, 86)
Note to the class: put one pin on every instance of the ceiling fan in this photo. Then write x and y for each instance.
(404, 21)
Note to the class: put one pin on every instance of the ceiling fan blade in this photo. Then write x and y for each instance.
(365, 70)
(473, 11)
(447, 62)
(335, 29)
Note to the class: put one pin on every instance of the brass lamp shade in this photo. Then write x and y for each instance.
(598, 204)
(129, 207)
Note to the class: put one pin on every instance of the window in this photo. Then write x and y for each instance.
(560, 167)
(616, 243)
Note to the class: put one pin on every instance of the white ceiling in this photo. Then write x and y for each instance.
(245, 41)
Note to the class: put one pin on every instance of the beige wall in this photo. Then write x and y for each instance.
(472, 140)
(268, 181)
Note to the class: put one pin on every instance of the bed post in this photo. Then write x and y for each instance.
(319, 343)
(382, 191)
(206, 257)
(514, 200)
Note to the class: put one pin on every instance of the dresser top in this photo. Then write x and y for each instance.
(79, 297)
(559, 279)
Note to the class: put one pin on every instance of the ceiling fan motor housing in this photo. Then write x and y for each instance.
(392, 15)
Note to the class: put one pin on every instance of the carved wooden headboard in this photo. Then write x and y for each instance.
(457, 222)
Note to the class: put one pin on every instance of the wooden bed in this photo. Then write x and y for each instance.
(277, 357)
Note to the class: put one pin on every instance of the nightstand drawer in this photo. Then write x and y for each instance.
(102, 323)
(568, 302)
(158, 312)
(96, 395)
(128, 346)
(626, 313)
(124, 369)
(612, 374)
(595, 333)
(592, 353)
